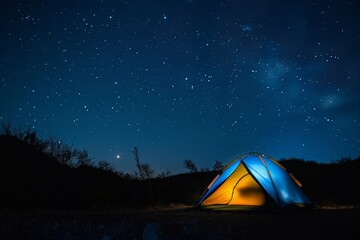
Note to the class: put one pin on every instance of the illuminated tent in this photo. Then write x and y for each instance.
(254, 180)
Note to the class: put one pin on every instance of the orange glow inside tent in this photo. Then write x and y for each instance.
(239, 189)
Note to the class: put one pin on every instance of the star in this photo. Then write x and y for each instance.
(174, 83)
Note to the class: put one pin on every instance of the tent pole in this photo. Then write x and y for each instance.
(272, 181)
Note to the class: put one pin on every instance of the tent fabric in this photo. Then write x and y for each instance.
(247, 181)
(238, 189)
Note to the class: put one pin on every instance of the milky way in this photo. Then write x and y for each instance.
(199, 80)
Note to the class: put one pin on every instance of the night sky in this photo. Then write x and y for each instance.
(200, 80)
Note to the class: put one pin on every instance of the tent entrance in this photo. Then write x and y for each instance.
(239, 189)
(247, 192)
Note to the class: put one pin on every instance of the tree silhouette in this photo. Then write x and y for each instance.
(6, 129)
(144, 169)
(83, 158)
(104, 165)
(60, 151)
(188, 164)
(218, 165)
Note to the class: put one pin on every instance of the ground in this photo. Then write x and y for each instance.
(184, 223)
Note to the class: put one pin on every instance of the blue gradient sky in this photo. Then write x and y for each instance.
(202, 80)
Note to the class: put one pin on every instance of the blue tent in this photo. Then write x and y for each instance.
(254, 180)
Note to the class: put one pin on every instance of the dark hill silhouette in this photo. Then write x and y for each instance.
(28, 177)
(30, 180)
(328, 183)
(183, 188)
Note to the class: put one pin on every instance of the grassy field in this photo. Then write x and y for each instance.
(184, 223)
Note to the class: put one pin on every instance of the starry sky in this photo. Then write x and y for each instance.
(203, 80)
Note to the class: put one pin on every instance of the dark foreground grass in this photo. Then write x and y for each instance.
(183, 224)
